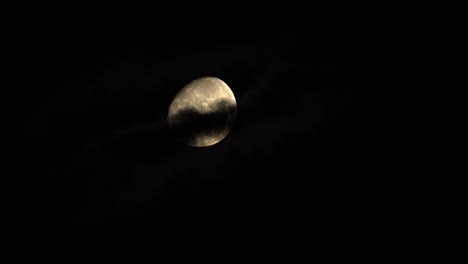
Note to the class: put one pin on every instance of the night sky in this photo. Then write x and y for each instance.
(311, 168)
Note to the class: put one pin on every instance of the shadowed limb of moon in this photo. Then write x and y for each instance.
(203, 112)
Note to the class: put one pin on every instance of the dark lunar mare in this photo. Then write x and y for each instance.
(188, 123)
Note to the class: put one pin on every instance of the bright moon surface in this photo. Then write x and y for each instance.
(203, 112)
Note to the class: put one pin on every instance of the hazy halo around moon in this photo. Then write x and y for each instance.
(203, 112)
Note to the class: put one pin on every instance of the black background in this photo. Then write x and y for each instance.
(310, 170)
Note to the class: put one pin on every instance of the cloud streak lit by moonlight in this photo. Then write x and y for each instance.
(203, 112)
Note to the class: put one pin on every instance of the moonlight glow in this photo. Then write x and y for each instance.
(203, 112)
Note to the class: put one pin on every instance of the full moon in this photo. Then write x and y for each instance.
(203, 112)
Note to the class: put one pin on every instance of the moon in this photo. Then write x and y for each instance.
(203, 112)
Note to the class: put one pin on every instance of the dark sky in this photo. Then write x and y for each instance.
(310, 168)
